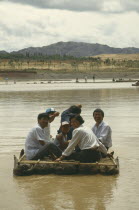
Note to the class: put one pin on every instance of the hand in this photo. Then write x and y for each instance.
(56, 114)
(79, 105)
(52, 116)
(109, 155)
(58, 160)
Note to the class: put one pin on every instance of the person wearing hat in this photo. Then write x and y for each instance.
(61, 139)
(101, 129)
(67, 114)
(37, 146)
(52, 114)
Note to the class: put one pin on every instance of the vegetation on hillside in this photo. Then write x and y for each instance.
(13, 58)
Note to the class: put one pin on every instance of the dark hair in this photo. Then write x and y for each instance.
(78, 118)
(75, 109)
(43, 115)
(99, 110)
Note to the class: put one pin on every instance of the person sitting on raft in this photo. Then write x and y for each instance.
(37, 146)
(67, 114)
(61, 139)
(88, 143)
(101, 129)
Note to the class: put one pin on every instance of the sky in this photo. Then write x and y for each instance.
(37, 23)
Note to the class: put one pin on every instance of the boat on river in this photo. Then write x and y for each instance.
(136, 83)
(125, 80)
(24, 167)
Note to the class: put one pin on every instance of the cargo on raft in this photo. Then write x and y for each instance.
(24, 167)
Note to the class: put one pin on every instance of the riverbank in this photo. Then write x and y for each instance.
(63, 75)
(44, 85)
(102, 67)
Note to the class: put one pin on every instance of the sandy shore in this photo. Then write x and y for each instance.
(61, 85)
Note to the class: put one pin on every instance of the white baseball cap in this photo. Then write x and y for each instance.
(64, 123)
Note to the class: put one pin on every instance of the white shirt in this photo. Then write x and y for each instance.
(103, 133)
(47, 132)
(56, 142)
(32, 144)
(85, 139)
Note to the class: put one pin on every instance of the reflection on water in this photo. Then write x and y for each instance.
(68, 192)
(18, 113)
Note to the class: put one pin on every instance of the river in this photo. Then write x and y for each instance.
(19, 107)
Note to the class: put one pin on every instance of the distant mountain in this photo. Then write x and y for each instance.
(77, 49)
(3, 52)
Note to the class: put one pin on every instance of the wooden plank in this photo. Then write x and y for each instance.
(112, 159)
(63, 162)
(21, 158)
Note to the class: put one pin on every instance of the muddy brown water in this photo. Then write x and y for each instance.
(18, 112)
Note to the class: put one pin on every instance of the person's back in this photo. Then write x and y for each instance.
(71, 111)
(86, 138)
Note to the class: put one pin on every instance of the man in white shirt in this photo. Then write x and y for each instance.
(101, 129)
(37, 145)
(88, 143)
(52, 114)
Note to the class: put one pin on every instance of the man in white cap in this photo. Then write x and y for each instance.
(61, 139)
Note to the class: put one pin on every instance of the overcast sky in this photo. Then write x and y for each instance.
(36, 23)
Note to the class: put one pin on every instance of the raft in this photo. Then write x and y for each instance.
(135, 84)
(24, 167)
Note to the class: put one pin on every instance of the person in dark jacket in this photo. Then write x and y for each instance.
(67, 114)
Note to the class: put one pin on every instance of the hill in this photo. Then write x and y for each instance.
(76, 49)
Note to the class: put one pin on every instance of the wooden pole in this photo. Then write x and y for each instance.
(21, 158)
(62, 162)
(113, 161)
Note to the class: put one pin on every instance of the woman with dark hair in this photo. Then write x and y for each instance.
(87, 142)
(68, 113)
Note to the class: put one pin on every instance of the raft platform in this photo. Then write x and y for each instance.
(24, 167)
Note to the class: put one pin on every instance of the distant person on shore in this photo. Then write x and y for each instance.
(85, 78)
(37, 146)
(52, 113)
(87, 142)
(67, 114)
(93, 78)
(101, 129)
(77, 80)
(61, 139)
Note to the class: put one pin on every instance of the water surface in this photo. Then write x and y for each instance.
(19, 107)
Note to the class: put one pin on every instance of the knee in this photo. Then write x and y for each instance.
(50, 144)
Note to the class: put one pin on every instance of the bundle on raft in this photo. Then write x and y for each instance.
(24, 167)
